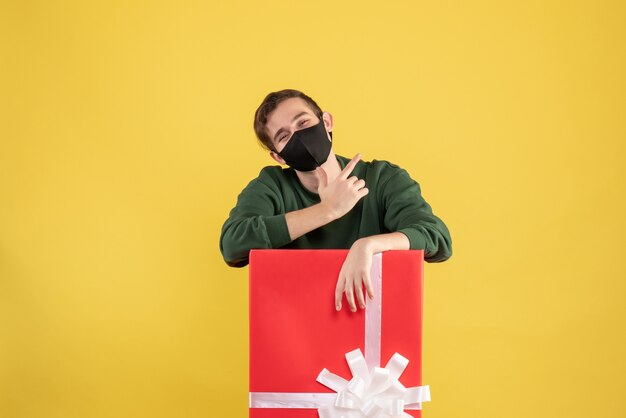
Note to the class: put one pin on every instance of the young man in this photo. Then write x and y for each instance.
(327, 201)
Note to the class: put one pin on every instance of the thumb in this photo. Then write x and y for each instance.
(321, 176)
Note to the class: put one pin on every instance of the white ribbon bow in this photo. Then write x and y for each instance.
(375, 393)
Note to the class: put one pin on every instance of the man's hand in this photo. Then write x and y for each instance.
(354, 275)
(355, 272)
(339, 196)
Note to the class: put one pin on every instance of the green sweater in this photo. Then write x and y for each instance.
(394, 203)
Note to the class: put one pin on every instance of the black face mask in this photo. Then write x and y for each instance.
(307, 149)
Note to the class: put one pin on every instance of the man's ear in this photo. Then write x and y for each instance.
(328, 121)
(277, 158)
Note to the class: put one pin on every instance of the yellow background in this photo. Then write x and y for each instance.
(126, 135)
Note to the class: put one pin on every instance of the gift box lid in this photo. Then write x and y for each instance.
(295, 330)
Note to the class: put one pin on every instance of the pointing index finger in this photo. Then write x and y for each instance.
(350, 166)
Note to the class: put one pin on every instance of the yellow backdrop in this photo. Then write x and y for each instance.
(126, 135)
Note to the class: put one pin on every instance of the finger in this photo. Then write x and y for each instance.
(367, 281)
(321, 176)
(350, 296)
(350, 166)
(352, 180)
(359, 184)
(339, 293)
(363, 192)
(358, 289)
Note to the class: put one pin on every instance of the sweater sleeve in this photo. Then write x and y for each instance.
(406, 211)
(256, 221)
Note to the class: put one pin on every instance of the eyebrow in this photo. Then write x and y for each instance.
(281, 130)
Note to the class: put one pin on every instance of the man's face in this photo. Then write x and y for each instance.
(290, 115)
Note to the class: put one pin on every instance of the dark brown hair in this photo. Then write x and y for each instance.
(269, 104)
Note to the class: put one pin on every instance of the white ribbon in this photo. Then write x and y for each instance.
(373, 392)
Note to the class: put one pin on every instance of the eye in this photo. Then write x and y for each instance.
(303, 122)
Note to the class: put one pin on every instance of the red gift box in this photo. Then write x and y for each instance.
(295, 331)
